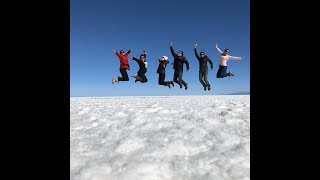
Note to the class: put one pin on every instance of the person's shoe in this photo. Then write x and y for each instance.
(114, 80)
(171, 82)
(209, 88)
(180, 86)
(136, 80)
(230, 73)
(169, 85)
(186, 86)
(205, 88)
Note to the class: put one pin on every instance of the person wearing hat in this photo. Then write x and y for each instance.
(162, 71)
(203, 68)
(224, 57)
(179, 60)
(124, 65)
(143, 64)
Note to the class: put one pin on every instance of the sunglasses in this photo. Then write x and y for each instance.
(227, 51)
(201, 53)
(121, 51)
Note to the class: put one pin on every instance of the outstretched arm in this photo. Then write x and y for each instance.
(218, 48)
(134, 58)
(236, 58)
(195, 51)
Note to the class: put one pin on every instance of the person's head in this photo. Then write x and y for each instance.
(180, 53)
(226, 51)
(201, 54)
(121, 51)
(143, 57)
(165, 58)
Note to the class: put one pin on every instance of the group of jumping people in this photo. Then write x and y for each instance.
(178, 62)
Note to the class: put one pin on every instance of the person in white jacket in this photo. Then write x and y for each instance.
(224, 57)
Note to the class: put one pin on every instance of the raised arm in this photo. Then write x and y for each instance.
(218, 48)
(129, 51)
(172, 50)
(195, 51)
(116, 52)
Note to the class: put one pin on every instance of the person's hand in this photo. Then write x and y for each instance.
(144, 51)
(114, 50)
(243, 57)
(187, 70)
(195, 45)
(170, 43)
(216, 44)
(130, 57)
(211, 69)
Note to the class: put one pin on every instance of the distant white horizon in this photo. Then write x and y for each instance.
(160, 137)
(236, 93)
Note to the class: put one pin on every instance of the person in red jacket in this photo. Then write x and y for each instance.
(124, 65)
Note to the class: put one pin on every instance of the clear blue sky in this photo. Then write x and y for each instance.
(98, 26)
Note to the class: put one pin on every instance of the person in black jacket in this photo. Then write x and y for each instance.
(162, 71)
(203, 68)
(179, 59)
(143, 64)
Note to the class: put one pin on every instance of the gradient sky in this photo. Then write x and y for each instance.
(98, 26)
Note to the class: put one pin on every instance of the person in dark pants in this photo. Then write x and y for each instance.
(143, 64)
(224, 57)
(162, 71)
(179, 59)
(124, 65)
(203, 68)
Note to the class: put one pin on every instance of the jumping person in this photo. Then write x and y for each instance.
(179, 59)
(162, 71)
(124, 65)
(224, 57)
(203, 68)
(143, 64)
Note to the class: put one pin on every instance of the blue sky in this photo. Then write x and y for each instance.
(98, 26)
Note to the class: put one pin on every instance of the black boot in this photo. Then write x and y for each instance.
(167, 84)
(171, 82)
